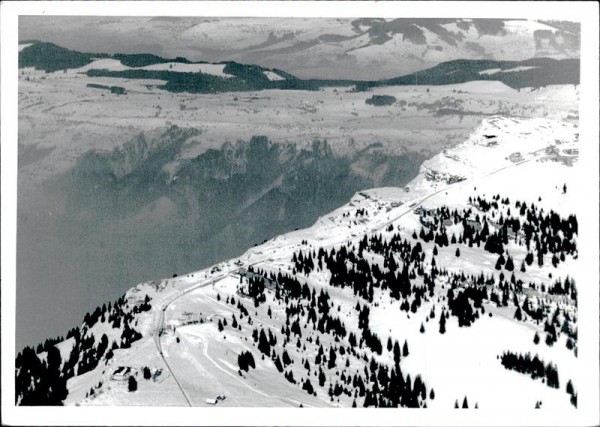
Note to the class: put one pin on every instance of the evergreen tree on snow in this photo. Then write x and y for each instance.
(442, 323)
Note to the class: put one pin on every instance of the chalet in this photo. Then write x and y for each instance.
(490, 140)
(216, 400)
(476, 225)
(426, 221)
(121, 373)
(269, 283)
(418, 210)
(452, 179)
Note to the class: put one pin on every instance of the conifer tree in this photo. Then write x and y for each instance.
(278, 364)
(263, 343)
(396, 353)
(132, 384)
(321, 377)
(442, 323)
(509, 264)
(529, 258)
(332, 357)
(570, 387)
(499, 263)
(518, 314)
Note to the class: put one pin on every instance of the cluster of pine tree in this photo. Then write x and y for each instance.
(465, 305)
(566, 287)
(535, 367)
(541, 233)
(549, 232)
(37, 382)
(50, 342)
(349, 267)
(44, 383)
(253, 287)
(571, 391)
(352, 266)
(246, 361)
(382, 386)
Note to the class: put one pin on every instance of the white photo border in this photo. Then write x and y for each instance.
(587, 192)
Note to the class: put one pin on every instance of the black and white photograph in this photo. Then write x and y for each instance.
(334, 206)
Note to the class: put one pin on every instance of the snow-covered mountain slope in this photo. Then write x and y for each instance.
(112, 64)
(367, 48)
(459, 289)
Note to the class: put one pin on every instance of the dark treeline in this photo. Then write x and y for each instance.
(535, 367)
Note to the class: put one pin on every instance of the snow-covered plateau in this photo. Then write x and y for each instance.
(458, 289)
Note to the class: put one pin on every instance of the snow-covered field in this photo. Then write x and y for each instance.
(76, 118)
(112, 64)
(508, 70)
(273, 76)
(197, 361)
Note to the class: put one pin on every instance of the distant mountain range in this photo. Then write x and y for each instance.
(536, 72)
(328, 48)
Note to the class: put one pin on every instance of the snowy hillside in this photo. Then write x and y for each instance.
(176, 67)
(415, 43)
(459, 289)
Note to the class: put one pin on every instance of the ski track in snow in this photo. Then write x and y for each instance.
(160, 326)
(205, 353)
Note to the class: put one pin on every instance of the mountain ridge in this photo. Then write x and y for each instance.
(333, 48)
(535, 72)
